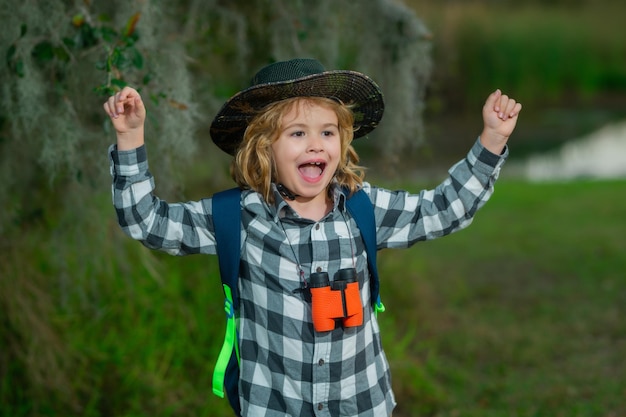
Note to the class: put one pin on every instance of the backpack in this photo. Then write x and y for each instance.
(227, 224)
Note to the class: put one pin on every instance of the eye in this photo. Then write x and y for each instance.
(328, 133)
(298, 133)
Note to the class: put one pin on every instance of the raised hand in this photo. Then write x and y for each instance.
(500, 114)
(128, 114)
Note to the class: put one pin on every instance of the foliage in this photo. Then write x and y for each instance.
(82, 309)
(542, 54)
(93, 324)
(56, 55)
(383, 39)
(52, 126)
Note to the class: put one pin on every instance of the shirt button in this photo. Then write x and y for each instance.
(317, 226)
(320, 406)
(318, 269)
(321, 362)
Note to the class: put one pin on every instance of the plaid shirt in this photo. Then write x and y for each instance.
(287, 368)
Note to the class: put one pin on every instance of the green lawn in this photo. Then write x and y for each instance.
(519, 315)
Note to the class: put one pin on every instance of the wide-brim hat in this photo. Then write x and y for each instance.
(297, 78)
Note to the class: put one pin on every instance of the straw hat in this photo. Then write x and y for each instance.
(297, 78)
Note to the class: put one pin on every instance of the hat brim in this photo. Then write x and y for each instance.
(350, 87)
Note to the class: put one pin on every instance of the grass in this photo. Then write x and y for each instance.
(519, 315)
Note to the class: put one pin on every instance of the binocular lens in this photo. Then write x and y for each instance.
(318, 280)
(347, 274)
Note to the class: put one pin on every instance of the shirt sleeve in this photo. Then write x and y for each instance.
(177, 228)
(404, 218)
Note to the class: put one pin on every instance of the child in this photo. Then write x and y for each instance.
(290, 134)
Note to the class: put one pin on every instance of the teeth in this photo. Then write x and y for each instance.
(315, 164)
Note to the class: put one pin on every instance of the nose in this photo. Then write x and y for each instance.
(315, 144)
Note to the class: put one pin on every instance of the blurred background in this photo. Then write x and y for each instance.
(520, 315)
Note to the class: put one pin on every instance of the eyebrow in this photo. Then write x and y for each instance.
(302, 125)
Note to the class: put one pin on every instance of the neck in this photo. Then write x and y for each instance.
(312, 208)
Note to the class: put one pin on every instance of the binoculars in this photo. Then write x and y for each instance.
(335, 301)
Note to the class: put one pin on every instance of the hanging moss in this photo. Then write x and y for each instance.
(61, 253)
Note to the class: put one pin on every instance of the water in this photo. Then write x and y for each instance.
(598, 155)
(554, 144)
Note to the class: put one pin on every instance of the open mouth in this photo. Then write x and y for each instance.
(312, 169)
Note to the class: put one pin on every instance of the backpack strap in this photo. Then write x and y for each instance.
(362, 211)
(227, 225)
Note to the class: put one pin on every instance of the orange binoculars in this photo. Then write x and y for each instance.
(336, 300)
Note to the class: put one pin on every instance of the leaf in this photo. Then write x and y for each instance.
(104, 18)
(61, 54)
(11, 53)
(78, 20)
(43, 52)
(131, 24)
(119, 60)
(118, 83)
(156, 97)
(147, 78)
(104, 90)
(87, 36)
(136, 58)
(70, 43)
(19, 68)
(108, 34)
(177, 104)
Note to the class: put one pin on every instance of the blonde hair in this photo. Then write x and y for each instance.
(254, 167)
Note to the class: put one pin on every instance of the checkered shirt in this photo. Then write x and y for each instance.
(287, 368)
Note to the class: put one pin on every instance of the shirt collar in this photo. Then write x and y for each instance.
(281, 208)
